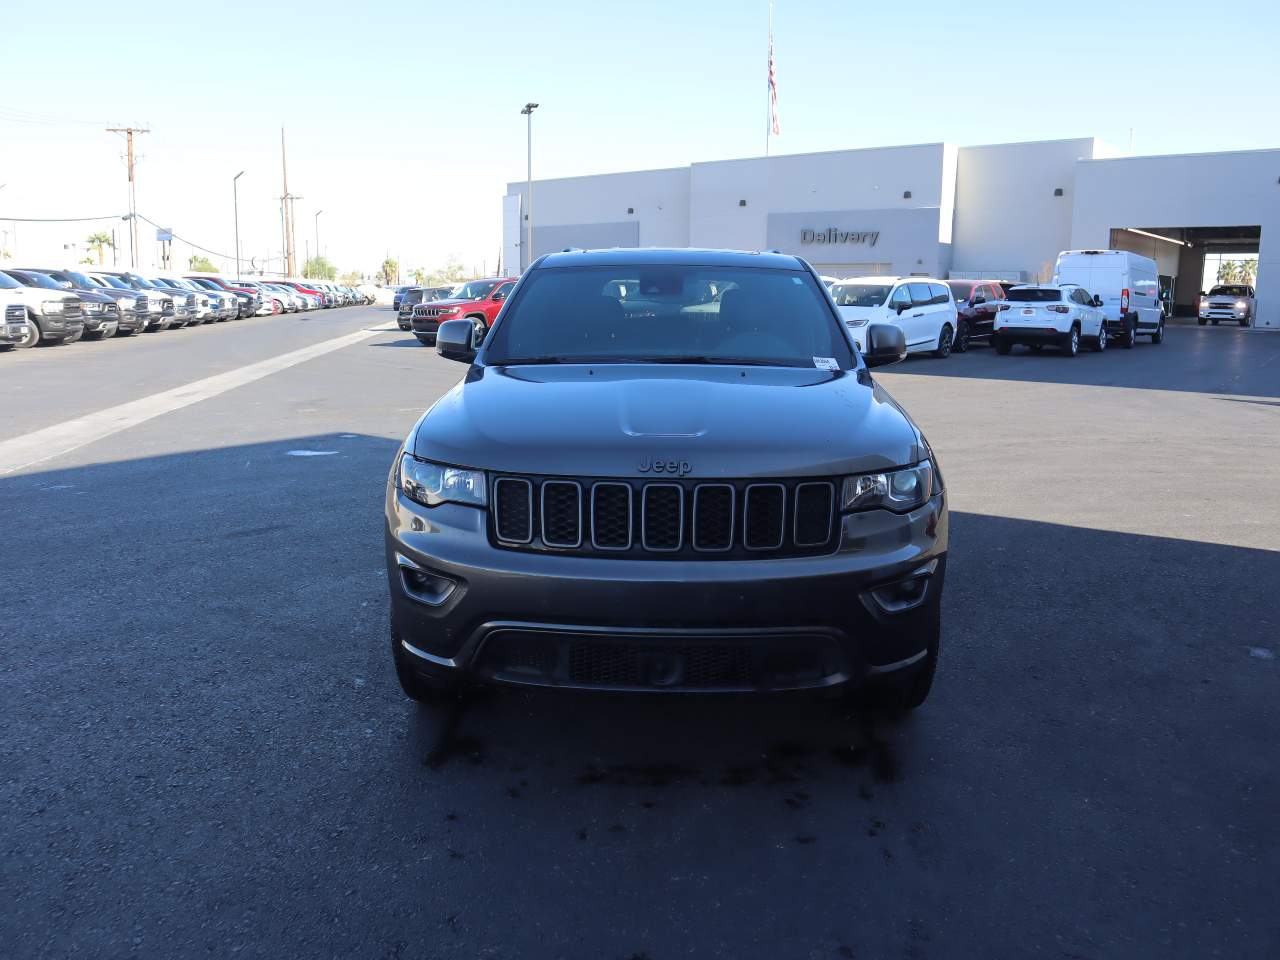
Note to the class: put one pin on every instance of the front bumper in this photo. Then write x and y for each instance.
(13, 332)
(526, 618)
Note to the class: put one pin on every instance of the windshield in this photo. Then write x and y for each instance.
(1034, 295)
(672, 313)
(39, 280)
(8, 283)
(111, 281)
(475, 290)
(79, 279)
(860, 294)
(412, 296)
(1229, 292)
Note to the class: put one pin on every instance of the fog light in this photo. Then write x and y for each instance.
(907, 593)
(424, 585)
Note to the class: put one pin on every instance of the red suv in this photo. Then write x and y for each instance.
(476, 300)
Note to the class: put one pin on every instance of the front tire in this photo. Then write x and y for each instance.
(1158, 336)
(1203, 320)
(1100, 341)
(962, 336)
(1003, 346)
(1071, 345)
(943, 349)
(33, 337)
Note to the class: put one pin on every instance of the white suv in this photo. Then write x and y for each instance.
(1061, 314)
(921, 306)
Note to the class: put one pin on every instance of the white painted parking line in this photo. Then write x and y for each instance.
(41, 445)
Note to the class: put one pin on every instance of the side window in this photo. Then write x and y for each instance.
(901, 298)
(501, 293)
(921, 295)
(940, 294)
(996, 292)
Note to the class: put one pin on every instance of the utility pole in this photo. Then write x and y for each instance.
(286, 212)
(235, 207)
(133, 197)
(528, 256)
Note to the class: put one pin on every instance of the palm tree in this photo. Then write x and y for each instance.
(98, 242)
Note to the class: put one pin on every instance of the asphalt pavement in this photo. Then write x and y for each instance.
(205, 752)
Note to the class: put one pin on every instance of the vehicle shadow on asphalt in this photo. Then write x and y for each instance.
(411, 342)
(209, 694)
(1236, 363)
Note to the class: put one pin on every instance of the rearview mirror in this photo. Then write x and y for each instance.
(456, 340)
(886, 343)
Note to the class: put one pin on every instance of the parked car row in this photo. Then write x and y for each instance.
(1096, 296)
(43, 305)
(423, 309)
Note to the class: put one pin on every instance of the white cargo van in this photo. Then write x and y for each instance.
(1129, 285)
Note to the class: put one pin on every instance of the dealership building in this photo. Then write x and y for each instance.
(1001, 211)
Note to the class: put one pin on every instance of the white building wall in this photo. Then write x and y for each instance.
(1187, 190)
(1007, 217)
(856, 189)
(659, 200)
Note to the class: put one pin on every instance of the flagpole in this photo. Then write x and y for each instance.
(768, 95)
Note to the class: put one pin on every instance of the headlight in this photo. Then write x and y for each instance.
(432, 484)
(449, 311)
(154, 306)
(857, 322)
(1240, 304)
(51, 306)
(92, 306)
(897, 490)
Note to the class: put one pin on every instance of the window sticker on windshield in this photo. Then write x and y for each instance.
(826, 363)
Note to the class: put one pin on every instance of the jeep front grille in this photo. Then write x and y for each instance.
(655, 519)
(15, 313)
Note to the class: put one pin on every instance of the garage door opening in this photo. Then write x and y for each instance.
(1191, 260)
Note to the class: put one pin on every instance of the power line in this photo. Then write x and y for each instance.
(196, 246)
(114, 216)
(16, 115)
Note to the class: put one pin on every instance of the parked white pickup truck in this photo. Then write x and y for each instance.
(1233, 301)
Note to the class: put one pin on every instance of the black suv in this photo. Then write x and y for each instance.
(666, 470)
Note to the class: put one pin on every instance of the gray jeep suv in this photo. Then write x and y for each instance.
(666, 470)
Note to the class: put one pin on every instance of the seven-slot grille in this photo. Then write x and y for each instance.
(15, 313)
(655, 519)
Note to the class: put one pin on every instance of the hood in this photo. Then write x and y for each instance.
(38, 294)
(723, 421)
(449, 302)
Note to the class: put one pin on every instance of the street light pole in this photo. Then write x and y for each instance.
(318, 212)
(528, 257)
(235, 205)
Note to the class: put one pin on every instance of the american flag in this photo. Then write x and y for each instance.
(773, 89)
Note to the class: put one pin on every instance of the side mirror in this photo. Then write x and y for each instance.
(456, 340)
(1097, 301)
(903, 308)
(975, 301)
(886, 343)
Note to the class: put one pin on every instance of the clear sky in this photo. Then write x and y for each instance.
(403, 117)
